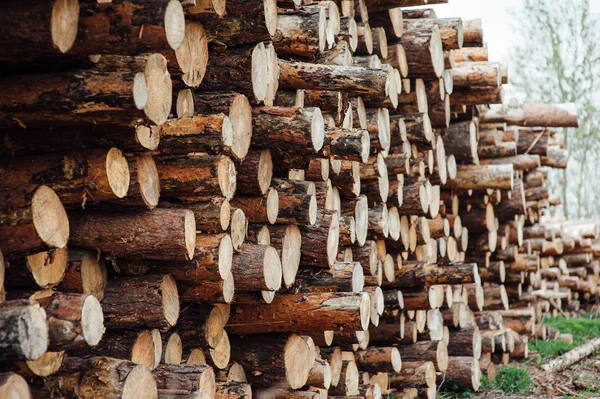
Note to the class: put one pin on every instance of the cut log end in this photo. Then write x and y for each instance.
(140, 383)
(14, 386)
(265, 171)
(238, 228)
(148, 137)
(117, 171)
(170, 298)
(260, 72)
(192, 55)
(365, 310)
(50, 218)
(48, 268)
(240, 114)
(189, 233)
(227, 177)
(225, 256)
(272, 205)
(148, 180)
(317, 129)
(92, 320)
(63, 24)
(143, 350)
(160, 89)
(272, 269)
(228, 289)
(290, 255)
(174, 24)
(298, 360)
(270, 10)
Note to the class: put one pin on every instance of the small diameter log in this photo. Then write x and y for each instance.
(257, 268)
(451, 30)
(85, 273)
(213, 214)
(43, 269)
(347, 144)
(377, 359)
(201, 324)
(431, 351)
(32, 220)
(95, 175)
(144, 301)
(542, 115)
(74, 320)
(341, 276)
(196, 175)
(233, 390)
(141, 347)
(471, 54)
(474, 74)
(254, 173)
(480, 177)
(287, 240)
(298, 209)
(320, 241)
(422, 274)
(520, 320)
(210, 291)
(465, 342)
(212, 261)
(496, 297)
(424, 52)
(460, 140)
(25, 331)
(259, 209)
(414, 374)
(465, 371)
(288, 359)
(420, 299)
(473, 96)
(303, 312)
(185, 380)
(101, 377)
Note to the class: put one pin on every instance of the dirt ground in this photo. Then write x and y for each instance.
(581, 380)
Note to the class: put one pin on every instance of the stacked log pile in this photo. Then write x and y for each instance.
(284, 199)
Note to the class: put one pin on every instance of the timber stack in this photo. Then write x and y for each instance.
(283, 199)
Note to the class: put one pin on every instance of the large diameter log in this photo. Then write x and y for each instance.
(481, 177)
(24, 331)
(101, 377)
(424, 52)
(76, 178)
(32, 220)
(465, 342)
(286, 360)
(465, 371)
(196, 175)
(377, 359)
(86, 95)
(74, 320)
(43, 269)
(185, 380)
(163, 234)
(431, 351)
(212, 260)
(256, 268)
(355, 80)
(542, 115)
(304, 312)
(144, 301)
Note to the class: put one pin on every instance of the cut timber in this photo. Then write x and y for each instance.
(257, 268)
(43, 269)
(196, 175)
(301, 33)
(475, 74)
(258, 209)
(74, 320)
(471, 54)
(542, 115)
(201, 324)
(191, 380)
(379, 359)
(287, 360)
(210, 291)
(451, 30)
(303, 312)
(212, 260)
(144, 301)
(101, 377)
(480, 177)
(52, 30)
(320, 241)
(13, 386)
(77, 177)
(164, 234)
(288, 241)
(233, 390)
(431, 351)
(424, 52)
(212, 214)
(24, 331)
(473, 33)
(465, 342)
(341, 276)
(347, 144)
(465, 371)
(473, 96)
(414, 374)
(254, 172)
(423, 274)
(32, 219)
(85, 273)
(291, 129)
(460, 140)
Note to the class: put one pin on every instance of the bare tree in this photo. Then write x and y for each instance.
(556, 58)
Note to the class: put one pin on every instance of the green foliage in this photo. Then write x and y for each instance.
(485, 383)
(514, 380)
(582, 329)
(450, 390)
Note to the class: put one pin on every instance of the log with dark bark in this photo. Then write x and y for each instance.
(460, 140)
(303, 312)
(320, 241)
(256, 268)
(424, 52)
(258, 209)
(341, 276)
(543, 115)
(287, 361)
(479, 177)
(431, 351)
(210, 291)
(465, 371)
(379, 359)
(32, 219)
(43, 269)
(143, 301)
(476, 74)
(213, 214)
(473, 33)
(24, 331)
(185, 380)
(451, 30)
(163, 234)
(422, 274)
(414, 374)
(472, 96)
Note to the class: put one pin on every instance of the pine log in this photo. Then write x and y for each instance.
(257, 267)
(320, 241)
(422, 274)
(185, 380)
(303, 312)
(543, 115)
(424, 52)
(379, 359)
(213, 215)
(233, 390)
(123, 306)
(341, 276)
(302, 33)
(287, 361)
(460, 140)
(451, 30)
(465, 371)
(472, 96)
(25, 331)
(164, 234)
(479, 177)
(201, 324)
(477, 74)
(43, 269)
(196, 175)
(471, 54)
(210, 291)
(32, 219)
(85, 274)
(414, 374)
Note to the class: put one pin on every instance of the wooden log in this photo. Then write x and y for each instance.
(465, 371)
(422, 274)
(451, 29)
(303, 312)
(256, 268)
(288, 360)
(471, 54)
(13, 385)
(210, 291)
(302, 33)
(201, 324)
(341, 276)
(379, 359)
(32, 219)
(476, 74)
(204, 175)
(100, 376)
(427, 64)
(543, 115)
(164, 234)
(533, 141)
(460, 140)
(478, 177)
(472, 96)
(473, 33)
(213, 215)
(321, 240)
(465, 342)
(259, 209)
(123, 307)
(185, 379)
(44, 269)
(25, 330)
(414, 374)
(431, 351)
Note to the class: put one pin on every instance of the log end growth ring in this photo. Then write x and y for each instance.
(63, 24)
(192, 55)
(298, 360)
(240, 114)
(50, 218)
(92, 320)
(170, 300)
(225, 256)
(227, 177)
(174, 24)
(272, 269)
(140, 383)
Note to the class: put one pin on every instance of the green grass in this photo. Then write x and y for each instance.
(514, 380)
(451, 390)
(582, 328)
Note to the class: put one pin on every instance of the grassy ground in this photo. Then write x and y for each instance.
(526, 380)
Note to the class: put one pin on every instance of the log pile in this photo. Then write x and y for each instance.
(284, 199)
